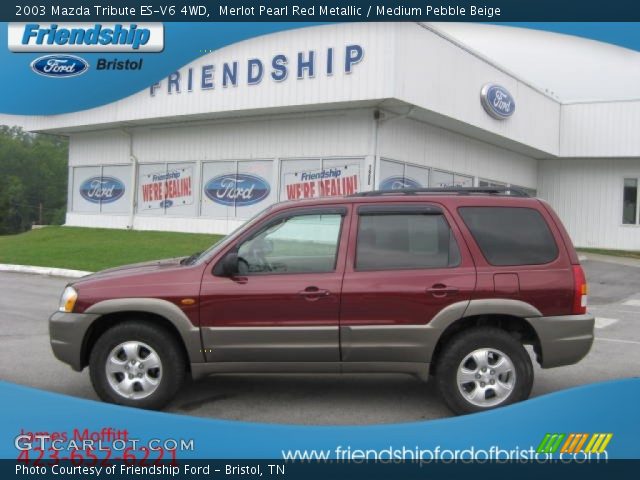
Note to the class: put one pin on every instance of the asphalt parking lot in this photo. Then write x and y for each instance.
(26, 358)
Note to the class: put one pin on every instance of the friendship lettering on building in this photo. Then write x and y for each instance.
(277, 68)
(327, 182)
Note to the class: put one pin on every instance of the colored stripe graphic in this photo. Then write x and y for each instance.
(550, 442)
(574, 442)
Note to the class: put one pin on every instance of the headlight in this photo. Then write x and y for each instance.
(68, 300)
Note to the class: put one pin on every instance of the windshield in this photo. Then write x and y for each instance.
(228, 238)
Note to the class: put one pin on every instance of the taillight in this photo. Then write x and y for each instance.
(580, 291)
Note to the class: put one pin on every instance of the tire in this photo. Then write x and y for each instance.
(137, 364)
(466, 387)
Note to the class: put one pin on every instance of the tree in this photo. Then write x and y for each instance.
(33, 179)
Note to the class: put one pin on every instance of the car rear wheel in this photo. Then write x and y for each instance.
(483, 368)
(138, 364)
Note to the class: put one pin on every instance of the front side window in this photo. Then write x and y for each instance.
(405, 241)
(510, 235)
(630, 201)
(297, 244)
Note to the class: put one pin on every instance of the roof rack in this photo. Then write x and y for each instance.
(507, 191)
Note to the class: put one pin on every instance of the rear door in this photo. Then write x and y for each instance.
(407, 264)
(519, 253)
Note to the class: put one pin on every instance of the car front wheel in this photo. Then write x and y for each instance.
(137, 364)
(483, 368)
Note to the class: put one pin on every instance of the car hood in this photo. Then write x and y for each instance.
(133, 269)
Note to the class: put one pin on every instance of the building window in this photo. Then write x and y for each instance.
(319, 177)
(236, 189)
(101, 189)
(443, 179)
(630, 202)
(490, 183)
(167, 189)
(529, 191)
(398, 175)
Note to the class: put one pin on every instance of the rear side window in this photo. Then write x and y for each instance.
(510, 236)
(389, 241)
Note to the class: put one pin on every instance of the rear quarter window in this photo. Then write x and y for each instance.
(510, 235)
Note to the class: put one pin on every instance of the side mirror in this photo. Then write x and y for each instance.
(230, 265)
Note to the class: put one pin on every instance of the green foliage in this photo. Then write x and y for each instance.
(33, 173)
(95, 249)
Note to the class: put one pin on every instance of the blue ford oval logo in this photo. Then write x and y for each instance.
(60, 66)
(241, 190)
(398, 183)
(102, 189)
(166, 203)
(497, 101)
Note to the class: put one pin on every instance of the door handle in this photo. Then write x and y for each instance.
(314, 293)
(440, 290)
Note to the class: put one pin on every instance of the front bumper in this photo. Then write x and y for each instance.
(564, 340)
(66, 333)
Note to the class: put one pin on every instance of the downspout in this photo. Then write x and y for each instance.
(134, 178)
(371, 176)
(380, 117)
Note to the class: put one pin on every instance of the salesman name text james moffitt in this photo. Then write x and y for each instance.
(443, 10)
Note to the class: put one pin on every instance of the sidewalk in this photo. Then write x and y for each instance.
(596, 257)
(50, 271)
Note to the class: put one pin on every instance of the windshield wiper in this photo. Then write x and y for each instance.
(190, 260)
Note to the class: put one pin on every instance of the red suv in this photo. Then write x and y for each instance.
(452, 283)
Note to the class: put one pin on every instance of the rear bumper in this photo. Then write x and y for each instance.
(66, 334)
(564, 340)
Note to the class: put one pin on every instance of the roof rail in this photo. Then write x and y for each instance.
(507, 191)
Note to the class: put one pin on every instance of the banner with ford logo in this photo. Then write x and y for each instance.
(237, 189)
(102, 189)
(398, 183)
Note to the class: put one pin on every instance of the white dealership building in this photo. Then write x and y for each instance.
(342, 108)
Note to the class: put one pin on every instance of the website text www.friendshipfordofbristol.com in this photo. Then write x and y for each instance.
(345, 454)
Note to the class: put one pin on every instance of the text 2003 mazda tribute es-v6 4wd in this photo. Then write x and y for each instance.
(452, 283)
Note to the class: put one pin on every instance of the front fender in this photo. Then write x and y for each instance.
(189, 333)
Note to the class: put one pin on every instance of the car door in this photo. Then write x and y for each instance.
(407, 264)
(283, 305)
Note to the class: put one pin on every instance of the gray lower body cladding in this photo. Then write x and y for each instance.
(67, 333)
(565, 339)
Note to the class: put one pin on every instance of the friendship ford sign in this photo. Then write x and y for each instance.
(102, 189)
(497, 101)
(85, 37)
(238, 190)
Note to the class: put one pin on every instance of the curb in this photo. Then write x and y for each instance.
(50, 271)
